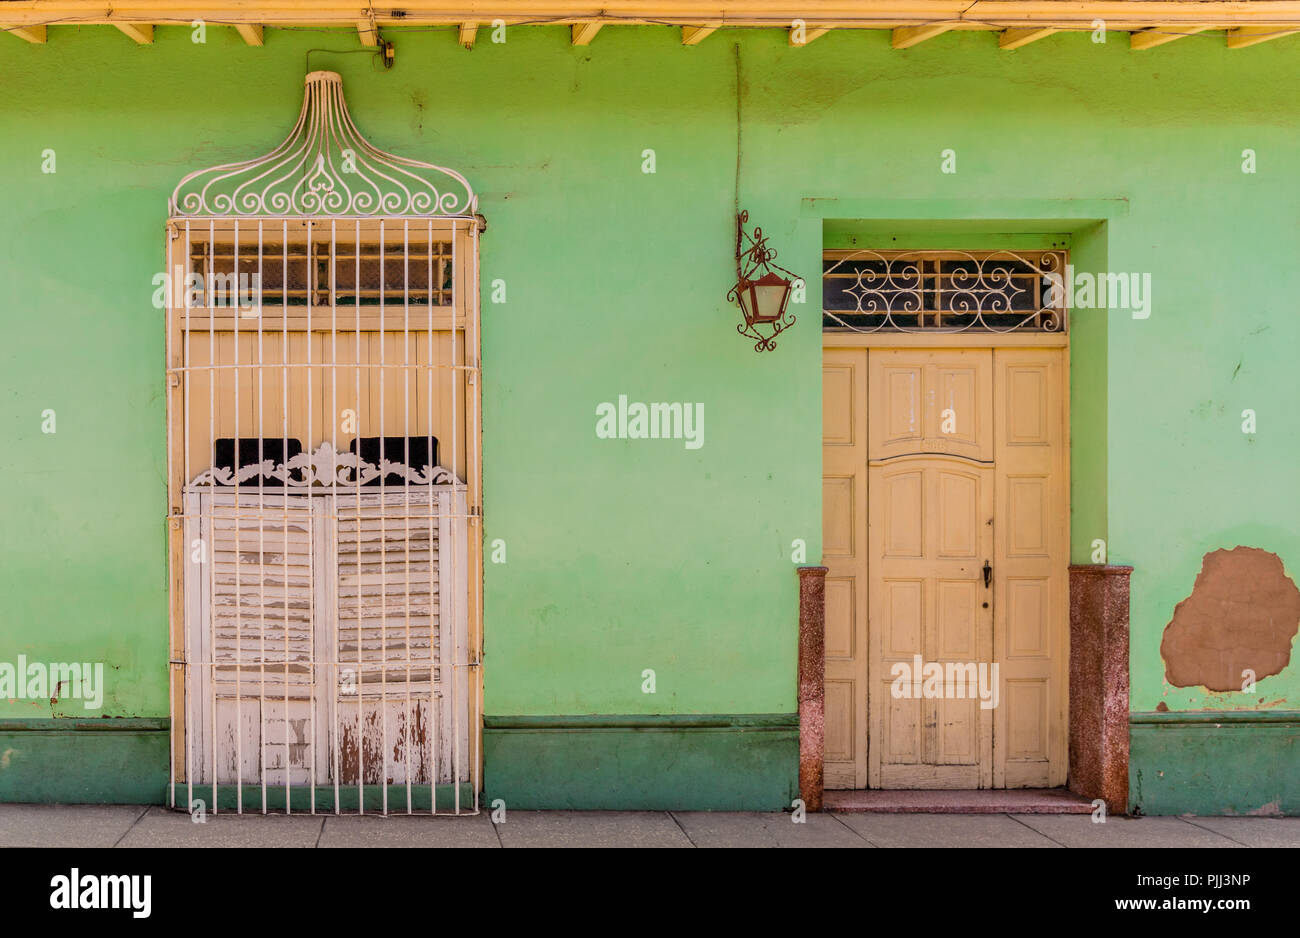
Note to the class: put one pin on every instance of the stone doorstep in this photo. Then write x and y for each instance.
(1001, 801)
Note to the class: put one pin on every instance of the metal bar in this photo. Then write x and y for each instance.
(239, 589)
(332, 533)
(455, 538)
(212, 577)
(170, 525)
(311, 554)
(406, 483)
(284, 443)
(361, 723)
(436, 650)
(383, 552)
(474, 718)
(261, 533)
(190, 724)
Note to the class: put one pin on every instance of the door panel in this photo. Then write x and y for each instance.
(928, 605)
(936, 401)
(1032, 553)
(844, 530)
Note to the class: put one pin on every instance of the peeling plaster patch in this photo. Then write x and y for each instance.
(1242, 614)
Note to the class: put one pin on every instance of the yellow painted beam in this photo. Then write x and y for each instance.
(1269, 17)
(140, 32)
(583, 33)
(907, 36)
(807, 34)
(1245, 36)
(29, 33)
(1015, 38)
(468, 33)
(252, 34)
(1150, 38)
(694, 35)
(368, 32)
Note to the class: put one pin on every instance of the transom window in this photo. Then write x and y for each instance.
(322, 266)
(943, 291)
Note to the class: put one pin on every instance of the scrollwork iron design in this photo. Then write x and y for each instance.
(325, 167)
(326, 467)
(944, 291)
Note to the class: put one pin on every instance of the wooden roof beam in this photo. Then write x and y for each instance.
(1244, 36)
(802, 35)
(140, 32)
(368, 32)
(694, 35)
(1015, 38)
(252, 34)
(29, 33)
(1159, 35)
(907, 36)
(1122, 15)
(583, 33)
(468, 33)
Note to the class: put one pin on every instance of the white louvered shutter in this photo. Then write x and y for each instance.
(357, 605)
(400, 608)
(253, 574)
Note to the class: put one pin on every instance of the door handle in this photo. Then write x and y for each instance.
(988, 574)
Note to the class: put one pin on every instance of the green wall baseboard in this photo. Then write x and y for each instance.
(1215, 763)
(114, 761)
(713, 762)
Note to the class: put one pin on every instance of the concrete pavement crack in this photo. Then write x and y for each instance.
(1037, 831)
(683, 830)
(857, 834)
(133, 824)
(1211, 831)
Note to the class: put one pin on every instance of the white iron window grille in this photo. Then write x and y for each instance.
(323, 465)
(943, 291)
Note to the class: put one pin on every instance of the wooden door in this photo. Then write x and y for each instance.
(930, 484)
(844, 552)
(1030, 624)
(936, 464)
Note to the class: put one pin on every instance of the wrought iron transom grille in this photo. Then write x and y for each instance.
(943, 291)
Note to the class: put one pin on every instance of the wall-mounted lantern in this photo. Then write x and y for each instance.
(761, 291)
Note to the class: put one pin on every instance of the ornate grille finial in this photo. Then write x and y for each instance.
(325, 167)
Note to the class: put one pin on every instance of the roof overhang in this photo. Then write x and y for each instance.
(1151, 22)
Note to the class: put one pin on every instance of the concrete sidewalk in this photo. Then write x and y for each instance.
(137, 826)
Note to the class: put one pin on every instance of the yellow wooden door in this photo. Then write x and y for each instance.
(930, 493)
(844, 552)
(1030, 625)
(945, 531)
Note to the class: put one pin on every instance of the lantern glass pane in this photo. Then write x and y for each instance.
(769, 300)
(746, 303)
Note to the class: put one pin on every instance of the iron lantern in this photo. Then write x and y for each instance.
(761, 290)
(764, 299)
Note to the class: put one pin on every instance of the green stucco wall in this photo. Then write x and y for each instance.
(625, 556)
